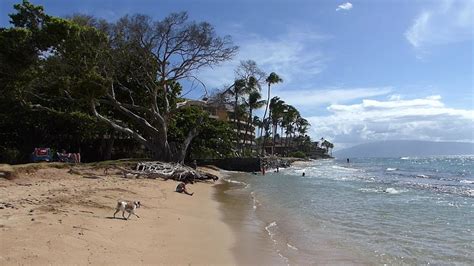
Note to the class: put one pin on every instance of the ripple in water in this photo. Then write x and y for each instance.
(415, 210)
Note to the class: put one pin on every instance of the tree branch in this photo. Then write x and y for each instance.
(136, 118)
(120, 128)
(191, 135)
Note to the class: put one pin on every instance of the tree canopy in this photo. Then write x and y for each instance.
(125, 74)
(86, 79)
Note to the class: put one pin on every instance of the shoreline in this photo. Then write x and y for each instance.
(62, 218)
(253, 245)
(266, 235)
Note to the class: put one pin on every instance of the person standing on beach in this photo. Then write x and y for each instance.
(348, 160)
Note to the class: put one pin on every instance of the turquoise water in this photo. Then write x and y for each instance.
(376, 211)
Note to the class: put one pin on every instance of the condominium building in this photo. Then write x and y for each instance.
(225, 112)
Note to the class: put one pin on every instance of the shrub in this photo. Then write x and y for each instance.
(297, 154)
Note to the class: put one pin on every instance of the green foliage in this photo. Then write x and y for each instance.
(55, 70)
(28, 16)
(214, 139)
(23, 129)
(297, 154)
(273, 78)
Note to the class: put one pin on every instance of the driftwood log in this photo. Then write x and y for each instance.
(155, 169)
(174, 171)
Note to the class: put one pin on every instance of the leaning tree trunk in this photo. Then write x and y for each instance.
(274, 129)
(109, 145)
(181, 154)
(263, 120)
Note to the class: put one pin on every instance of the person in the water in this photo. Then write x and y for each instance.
(348, 160)
(303, 174)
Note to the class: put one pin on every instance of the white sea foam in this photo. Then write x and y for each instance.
(404, 158)
(391, 190)
(344, 168)
(467, 181)
(470, 192)
(270, 230)
(391, 169)
(236, 182)
(369, 190)
(283, 257)
(256, 203)
(422, 176)
(291, 246)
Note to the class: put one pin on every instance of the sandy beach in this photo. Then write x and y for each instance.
(51, 216)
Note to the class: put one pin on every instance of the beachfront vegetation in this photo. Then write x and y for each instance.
(86, 84)
(273, 78)
(125, 73)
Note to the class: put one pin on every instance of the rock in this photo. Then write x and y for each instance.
(7, 171)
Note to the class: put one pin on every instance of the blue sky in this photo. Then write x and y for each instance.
(358, 70)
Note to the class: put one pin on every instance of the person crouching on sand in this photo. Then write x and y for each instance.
(181, 188)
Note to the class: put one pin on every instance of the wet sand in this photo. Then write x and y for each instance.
(253, 245)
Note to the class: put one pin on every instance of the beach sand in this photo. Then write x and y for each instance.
(53, 217)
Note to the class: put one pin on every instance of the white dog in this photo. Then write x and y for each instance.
(126, 206)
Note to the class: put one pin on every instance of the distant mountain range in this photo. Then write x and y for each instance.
(400, 148)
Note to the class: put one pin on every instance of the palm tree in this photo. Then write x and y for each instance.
(328, 145)
(277, 108)
(240, 88)
(253, 103)
(273, 78)
(237, 91)
(301, 125)
(289, 119)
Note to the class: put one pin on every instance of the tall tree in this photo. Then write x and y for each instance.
(288, 123)
(273, 78)
(127, 78)
(249, 68)
(277, 109)
(169, 50)
(238, 89)
(253, 103)
(248, 79)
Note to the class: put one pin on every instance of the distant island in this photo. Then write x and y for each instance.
(399, 148)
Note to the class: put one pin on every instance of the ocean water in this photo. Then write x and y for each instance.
(369, 211)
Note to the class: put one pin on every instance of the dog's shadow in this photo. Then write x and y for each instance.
(113, 218)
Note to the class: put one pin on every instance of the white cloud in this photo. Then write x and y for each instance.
(345, 6)
(448, 22)
(394, 97)
(415, 119)
(292, 54)
(316, 97)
